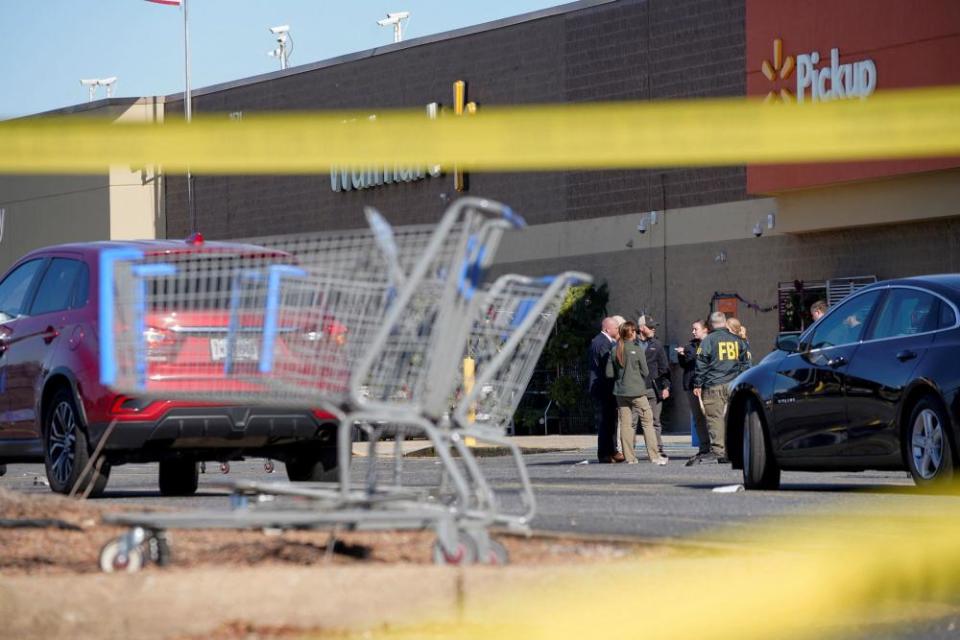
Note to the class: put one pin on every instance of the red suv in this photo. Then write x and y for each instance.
(53, 408)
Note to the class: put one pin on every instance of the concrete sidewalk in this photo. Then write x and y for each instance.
(529, 444)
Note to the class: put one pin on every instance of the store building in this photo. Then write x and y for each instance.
(761, 241)
(768, 240)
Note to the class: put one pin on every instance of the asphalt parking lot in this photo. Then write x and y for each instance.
(574, 494)
(676, 505)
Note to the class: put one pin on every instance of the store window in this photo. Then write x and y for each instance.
(795, 298)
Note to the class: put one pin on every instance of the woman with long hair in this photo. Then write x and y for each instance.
(627, 366)
(736, 327)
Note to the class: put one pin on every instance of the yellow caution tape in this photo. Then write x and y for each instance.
(895, 124)
(804, 578)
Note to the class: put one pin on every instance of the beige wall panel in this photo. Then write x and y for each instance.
(136, 204)
(694, 225)
(136, 193)
(911, 198)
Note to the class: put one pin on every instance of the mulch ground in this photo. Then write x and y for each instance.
(53, 550)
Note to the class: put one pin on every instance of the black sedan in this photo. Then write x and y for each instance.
(872, 385)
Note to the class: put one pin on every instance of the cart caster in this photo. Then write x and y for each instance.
(159, 548)
(224, 467)
(465, 552)
(268, 466)
(114, 558)
(497, 554)
(488, 550)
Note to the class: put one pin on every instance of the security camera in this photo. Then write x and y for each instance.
(92, 82)
(642, 226)
(394, 18)
(283, 28)
(757, 230)
(108, 81)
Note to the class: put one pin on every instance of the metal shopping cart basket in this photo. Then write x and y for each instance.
(310, 322)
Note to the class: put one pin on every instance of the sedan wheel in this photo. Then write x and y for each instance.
(760, 469)
(927, 444)
(930, 457)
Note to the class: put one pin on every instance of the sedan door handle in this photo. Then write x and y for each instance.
(834, 363)
(905, 355)
(49, 334)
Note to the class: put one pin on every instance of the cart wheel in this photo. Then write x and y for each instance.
(498, 554)
(466, 552)
(268, 466)
(112, 560)
(160, 549)
(224, 467)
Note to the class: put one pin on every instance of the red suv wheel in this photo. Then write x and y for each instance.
(65, 447)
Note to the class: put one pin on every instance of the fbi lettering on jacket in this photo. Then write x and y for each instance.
(728, 351)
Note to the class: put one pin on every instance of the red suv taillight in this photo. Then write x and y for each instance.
(322, 415)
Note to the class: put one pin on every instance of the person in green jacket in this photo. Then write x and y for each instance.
(627, 366)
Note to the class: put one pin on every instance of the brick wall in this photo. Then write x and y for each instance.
(625, 50)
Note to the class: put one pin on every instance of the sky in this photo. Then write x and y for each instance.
(49, 45)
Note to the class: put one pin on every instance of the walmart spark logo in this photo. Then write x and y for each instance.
(781, 69)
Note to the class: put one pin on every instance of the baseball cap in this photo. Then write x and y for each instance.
(647, 320)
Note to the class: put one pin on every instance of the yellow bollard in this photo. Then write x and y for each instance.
(469, 375)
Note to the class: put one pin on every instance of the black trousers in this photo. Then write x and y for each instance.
(605, 424)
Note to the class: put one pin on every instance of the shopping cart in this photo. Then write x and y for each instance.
(508, 336)
(358, 323)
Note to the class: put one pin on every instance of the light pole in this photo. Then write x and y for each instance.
(396, 19)
(282, 51)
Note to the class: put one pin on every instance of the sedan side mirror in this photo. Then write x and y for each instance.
(789, 343)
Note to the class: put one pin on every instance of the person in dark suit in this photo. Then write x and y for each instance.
(688, 360)
(601, 391)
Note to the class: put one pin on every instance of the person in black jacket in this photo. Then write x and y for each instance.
(687, 356)
(601, 391)
(658, 383)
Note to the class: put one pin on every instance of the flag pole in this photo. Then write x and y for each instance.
(188, 113)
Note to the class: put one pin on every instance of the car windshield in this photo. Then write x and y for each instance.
(206, 284)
